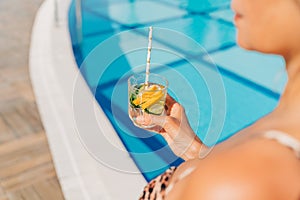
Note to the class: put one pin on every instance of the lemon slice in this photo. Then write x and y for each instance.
(148, 96)
(152, 100)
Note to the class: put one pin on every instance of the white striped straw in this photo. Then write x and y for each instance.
(148, 55)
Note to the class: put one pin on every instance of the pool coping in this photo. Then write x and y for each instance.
(80, 175)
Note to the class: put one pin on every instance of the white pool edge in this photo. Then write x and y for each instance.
(53, 71)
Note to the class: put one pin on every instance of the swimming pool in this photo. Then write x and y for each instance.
(222, 87)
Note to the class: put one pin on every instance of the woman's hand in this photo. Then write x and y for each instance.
(175, 129)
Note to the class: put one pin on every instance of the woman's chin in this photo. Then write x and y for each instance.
(259, 48)
(241, 43)
(246, 44)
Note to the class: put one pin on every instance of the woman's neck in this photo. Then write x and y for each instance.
(286, 117)
(291, 94)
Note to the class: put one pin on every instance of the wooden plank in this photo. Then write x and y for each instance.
(40, 173)
(46, 190)
(4, 197)
(22, 143)
(24, 166)
(6, 134)
(22, 158)
(29, 193)
(24, 89)
(29, 112)
(15, 196)
(55, 183)
(16, 123)
(7, 95)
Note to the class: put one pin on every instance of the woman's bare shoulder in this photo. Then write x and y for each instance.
(254, 170)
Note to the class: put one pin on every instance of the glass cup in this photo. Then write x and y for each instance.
(146, 100)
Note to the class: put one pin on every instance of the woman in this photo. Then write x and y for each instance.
(261, 162)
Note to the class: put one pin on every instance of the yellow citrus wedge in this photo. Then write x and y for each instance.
(150, 93)
(155, 97)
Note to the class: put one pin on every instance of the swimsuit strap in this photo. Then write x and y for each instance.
(284, 139)
(184, 174)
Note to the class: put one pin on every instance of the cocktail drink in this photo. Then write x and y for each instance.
(146, 99)
(146, 93)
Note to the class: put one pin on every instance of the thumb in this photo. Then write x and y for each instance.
(168, 123)
(158, 120)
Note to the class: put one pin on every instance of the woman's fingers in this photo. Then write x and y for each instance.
(169, 104)
(151, 119)
(144, 119)
(176, 111)
(156, 129)
(169, 100)
(166, 123)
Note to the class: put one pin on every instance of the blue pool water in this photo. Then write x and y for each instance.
(222, 87)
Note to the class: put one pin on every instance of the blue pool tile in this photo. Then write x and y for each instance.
(88, 4)
(226, 15)
(91, 42)
(265, 70)
(243, 104)
(177, 3)
(138, 12)
(199, 5)
(94, 24)
(209, 34)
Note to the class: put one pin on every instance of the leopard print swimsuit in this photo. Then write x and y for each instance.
(156, 189)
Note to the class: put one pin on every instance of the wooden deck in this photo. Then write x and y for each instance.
(26, 167)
